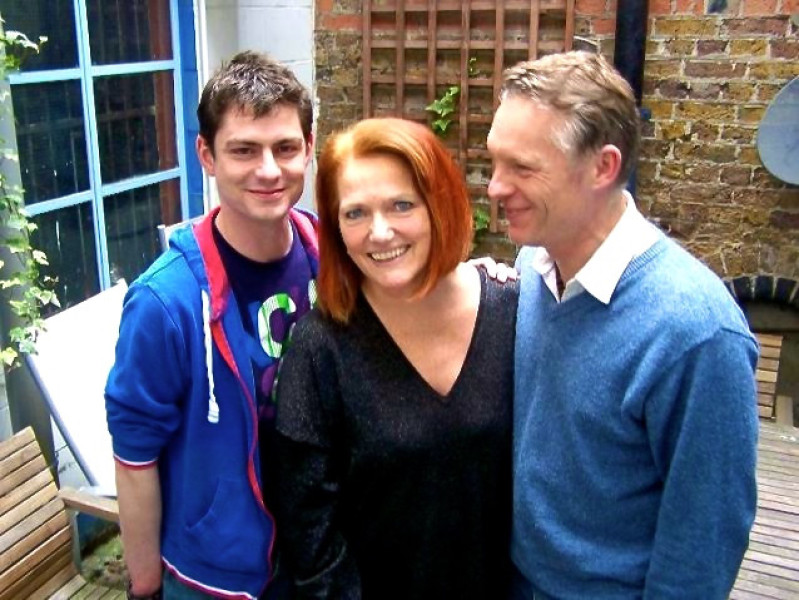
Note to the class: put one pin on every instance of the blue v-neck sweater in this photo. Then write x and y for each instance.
(635, 434)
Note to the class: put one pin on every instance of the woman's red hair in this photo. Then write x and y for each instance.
(438, 181)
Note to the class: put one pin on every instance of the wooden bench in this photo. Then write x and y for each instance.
(769, 404)
(770, 568)
(36, 542)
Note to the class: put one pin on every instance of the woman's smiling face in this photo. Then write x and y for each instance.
(384, 223)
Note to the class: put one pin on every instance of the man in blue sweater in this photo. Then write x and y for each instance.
(635, 413)
(189, 399)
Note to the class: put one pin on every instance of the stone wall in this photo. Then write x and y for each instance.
(712, 67)
(709, 77)
(339, 85)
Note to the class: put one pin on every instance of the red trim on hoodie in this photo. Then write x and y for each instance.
(219, 288)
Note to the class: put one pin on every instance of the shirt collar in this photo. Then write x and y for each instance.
(630, 237)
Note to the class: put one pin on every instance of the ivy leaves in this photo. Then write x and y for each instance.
(23, 287)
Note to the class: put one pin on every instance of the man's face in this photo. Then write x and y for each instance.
(546, 192)
(259, 164)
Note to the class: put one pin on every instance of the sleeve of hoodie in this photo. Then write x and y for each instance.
(147, 382)
(311, 468)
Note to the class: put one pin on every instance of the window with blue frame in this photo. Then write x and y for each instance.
(99, 128)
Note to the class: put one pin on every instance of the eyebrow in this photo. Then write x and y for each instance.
(247, 142)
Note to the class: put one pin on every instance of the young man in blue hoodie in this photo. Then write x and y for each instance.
(635, 419)
(189, 399)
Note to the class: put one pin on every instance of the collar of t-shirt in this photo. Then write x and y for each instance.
(630, 237)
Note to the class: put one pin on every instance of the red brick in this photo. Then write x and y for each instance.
(701, 90)
(703, 131)
(759, 7)
(659, 7)
(736, 175)
(604, 26)
(342, 22)
(590, 7)
(705, 47)
(784, 220)
(785, 49)
(691, 7)
(747, 27)
(715, 69)
(673, 88)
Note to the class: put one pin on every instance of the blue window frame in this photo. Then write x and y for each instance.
(99, 128)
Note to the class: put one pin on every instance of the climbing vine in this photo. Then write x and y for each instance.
(22, 285)
(444, 108)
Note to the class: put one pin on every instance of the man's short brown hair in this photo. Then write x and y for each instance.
(252, 82)
(597, 102)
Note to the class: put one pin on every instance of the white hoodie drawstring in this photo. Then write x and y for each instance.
(213, 407)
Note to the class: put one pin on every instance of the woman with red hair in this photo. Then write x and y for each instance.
(395, 397)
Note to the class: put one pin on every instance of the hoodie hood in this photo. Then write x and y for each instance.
(196, 243)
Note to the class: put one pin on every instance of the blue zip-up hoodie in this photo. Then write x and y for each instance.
(181, 394)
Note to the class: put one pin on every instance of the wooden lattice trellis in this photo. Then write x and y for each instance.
(413, 50)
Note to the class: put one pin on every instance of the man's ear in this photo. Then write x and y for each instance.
(206, 155)
(607, 166)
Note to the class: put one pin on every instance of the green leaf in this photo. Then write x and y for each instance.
(27, 346)
(12, 281)
(440, 125)
(8, 356)
(17, 305)
(16, 222)
(481, 218)
(40, 257)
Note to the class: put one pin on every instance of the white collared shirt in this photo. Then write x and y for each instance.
(630, 237)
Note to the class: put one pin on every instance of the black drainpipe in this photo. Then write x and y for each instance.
(632, 17)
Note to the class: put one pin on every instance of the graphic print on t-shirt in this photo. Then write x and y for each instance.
(276, 318)
(271, 298)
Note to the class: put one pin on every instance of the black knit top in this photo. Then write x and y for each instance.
(388, 489)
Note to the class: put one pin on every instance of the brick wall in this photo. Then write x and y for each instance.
(709, 77)
(339, 86)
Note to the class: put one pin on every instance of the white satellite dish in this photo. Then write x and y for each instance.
(778, 135)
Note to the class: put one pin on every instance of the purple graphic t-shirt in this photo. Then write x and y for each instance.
(271, 297)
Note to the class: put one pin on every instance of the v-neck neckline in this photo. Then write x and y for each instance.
(409, 366)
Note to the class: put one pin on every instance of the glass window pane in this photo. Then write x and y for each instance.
(131, 221)
(66, 235)
(129, 31)
(135, 124)
(52, 18)
(50, 139)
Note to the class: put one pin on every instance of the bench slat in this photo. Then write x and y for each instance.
(36, 560)
(22, 563)
(27, 516)
(71, 588)
(21, 475)
(16, 442)
(28, 488)
(43, 583)
(769, 339)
